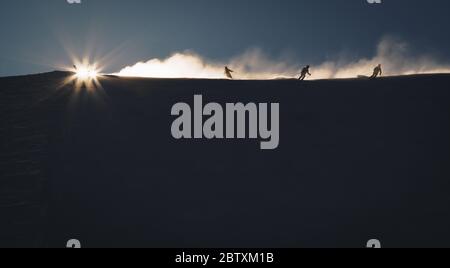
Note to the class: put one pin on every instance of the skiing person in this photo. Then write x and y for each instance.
(228, 72)
(377, 72)
(305, 71)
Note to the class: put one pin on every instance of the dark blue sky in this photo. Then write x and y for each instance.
(35, 35)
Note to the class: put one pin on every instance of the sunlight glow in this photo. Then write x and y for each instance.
(84, 78)
(85, 73)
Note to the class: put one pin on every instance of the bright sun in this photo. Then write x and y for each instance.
(85, 75)
(86, 72)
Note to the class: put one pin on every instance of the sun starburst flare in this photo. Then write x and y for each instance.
(85, 75)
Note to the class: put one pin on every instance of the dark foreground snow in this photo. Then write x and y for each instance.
(357, 160)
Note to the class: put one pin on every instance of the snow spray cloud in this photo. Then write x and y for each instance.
(251, 65)
(393, 54)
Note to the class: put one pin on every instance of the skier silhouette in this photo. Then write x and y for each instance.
(228, 72)
(377, 72)
(305, 71)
